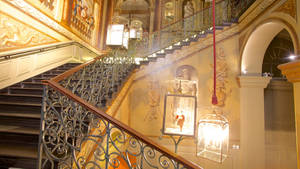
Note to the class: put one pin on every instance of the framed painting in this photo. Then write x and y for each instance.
(179, 115)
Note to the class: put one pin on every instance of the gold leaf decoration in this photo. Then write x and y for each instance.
(289, 7)
(15, 34)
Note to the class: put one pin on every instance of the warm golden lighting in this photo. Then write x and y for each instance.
(115, 35)
(213, 136)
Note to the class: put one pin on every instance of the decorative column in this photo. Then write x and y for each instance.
(292, 72)
(252, 122)
(67, 12)
(103, 24)
(152, 15)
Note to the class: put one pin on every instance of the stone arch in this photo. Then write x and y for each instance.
(258, 41)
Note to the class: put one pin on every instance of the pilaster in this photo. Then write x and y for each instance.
(252, 122)
(292, 72)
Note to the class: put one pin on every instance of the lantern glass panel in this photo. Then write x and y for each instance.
(115, 35)
(132, 33)
(213, 137)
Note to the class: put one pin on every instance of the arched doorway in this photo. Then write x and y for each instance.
(279, 106)
(252, 85)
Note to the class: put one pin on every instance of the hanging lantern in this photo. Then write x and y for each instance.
(132, 33)
(139, 33)
(213, 137)
(115, 35)
(213, 129)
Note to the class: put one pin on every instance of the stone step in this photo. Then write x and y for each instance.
(27, 123)
(29, 91)
(21, 98)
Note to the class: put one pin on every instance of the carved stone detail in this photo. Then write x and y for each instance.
(222, 78)
(289, 7)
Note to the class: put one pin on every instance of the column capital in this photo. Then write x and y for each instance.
(253, 81)
(291, 71)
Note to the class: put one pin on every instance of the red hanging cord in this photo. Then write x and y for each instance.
(214, 100)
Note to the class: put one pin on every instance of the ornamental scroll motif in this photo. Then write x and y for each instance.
(15, 34)
(222, 78)
(289, 7)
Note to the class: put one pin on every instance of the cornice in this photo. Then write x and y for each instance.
(291, 71)
(253, 81)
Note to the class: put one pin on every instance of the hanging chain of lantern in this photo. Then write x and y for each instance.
(213, 128)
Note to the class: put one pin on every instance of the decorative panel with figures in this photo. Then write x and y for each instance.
(82, 17)
(16, 34)
(50, 7)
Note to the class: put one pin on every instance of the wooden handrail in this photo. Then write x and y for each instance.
(73, 70)
(39, 49)
(122, 126)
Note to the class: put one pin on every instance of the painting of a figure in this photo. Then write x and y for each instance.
(179, 115)
(83, 16)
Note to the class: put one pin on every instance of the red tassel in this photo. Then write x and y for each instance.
(214, 99)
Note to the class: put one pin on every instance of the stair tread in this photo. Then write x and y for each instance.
(17, 103)
(19, 129)
(26, 88)
(21, 95)
(25, 115)
(17, 150)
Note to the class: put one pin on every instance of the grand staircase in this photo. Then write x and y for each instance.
(74, 103)
(20, 113)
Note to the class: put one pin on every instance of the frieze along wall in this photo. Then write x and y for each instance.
(61, 20)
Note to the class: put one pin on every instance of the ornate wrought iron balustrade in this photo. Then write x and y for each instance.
(199, 23)
(96, 82)
(70, 125)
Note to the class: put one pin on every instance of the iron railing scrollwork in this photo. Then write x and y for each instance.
(76, 133)
(96, 82)
(70, 123)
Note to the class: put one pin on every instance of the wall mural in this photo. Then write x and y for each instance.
(47, 6)
(222, 78)
(48, 3)
(82, 19)
(15, 34)
(153, 101)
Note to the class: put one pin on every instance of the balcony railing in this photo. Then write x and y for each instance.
(197, 24)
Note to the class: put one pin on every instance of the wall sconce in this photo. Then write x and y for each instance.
(213, 134)
(179, 115)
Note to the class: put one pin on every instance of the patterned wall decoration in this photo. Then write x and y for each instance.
(47, 6)
(222, 78)
(15, 34)
(82, 19)
(289, 7)
(33, 12)
(153, 100)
